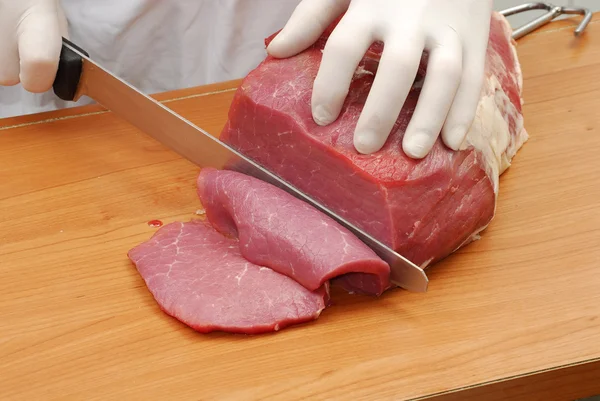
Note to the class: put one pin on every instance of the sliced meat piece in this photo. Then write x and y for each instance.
(424, 209)
(199, 277)
(286, 234)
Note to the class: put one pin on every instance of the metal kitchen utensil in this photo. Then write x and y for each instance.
(553, 12)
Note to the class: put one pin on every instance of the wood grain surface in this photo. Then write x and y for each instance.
(514, 316)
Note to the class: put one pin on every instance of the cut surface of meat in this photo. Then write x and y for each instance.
(198, 276)
(425, 209)
(288, 235)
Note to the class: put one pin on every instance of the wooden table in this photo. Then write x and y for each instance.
(514, 316)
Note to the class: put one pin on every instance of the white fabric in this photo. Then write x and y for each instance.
(160, 45)
(454, 32)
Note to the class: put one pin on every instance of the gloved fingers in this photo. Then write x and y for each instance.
(444, 70)
(9, 62)
(308, 21)
(461, 114)
(39, 43)
(395, 75)
(344, 50)
(63, 24)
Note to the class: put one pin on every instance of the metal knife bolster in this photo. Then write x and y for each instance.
(78, 75)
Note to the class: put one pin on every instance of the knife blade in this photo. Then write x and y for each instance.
(78, 75)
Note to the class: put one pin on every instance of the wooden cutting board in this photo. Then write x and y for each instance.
(514, 316)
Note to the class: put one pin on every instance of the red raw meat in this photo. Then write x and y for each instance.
(275, 275)
(425, 209)
(199, 277)
(286, 234)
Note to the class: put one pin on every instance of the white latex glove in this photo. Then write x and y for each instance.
(30, 42)
(455, 32)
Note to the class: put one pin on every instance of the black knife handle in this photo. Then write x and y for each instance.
(69, 71)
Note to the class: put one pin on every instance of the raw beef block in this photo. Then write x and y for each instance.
(286, 234)
(425, 209)
(277, 273)
(199, 277)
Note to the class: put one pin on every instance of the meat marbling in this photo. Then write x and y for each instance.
(425, 209)
(198, 276)
(288, 235)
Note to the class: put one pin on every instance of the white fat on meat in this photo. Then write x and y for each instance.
(490, 135)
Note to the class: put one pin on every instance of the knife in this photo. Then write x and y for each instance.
(78, 76)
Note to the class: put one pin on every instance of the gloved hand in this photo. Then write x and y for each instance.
(455, 32)
(30, 42)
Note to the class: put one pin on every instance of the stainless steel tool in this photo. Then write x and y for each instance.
(553, 12)
(78, 75)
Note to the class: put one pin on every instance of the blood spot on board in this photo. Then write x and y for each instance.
(155, 223)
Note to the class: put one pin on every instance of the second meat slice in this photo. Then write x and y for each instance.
(286, 234)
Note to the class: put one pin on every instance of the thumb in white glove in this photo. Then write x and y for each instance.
(454, 32)
(30, 42)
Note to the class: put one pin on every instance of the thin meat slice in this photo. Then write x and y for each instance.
(278, 230)
(199, 277)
